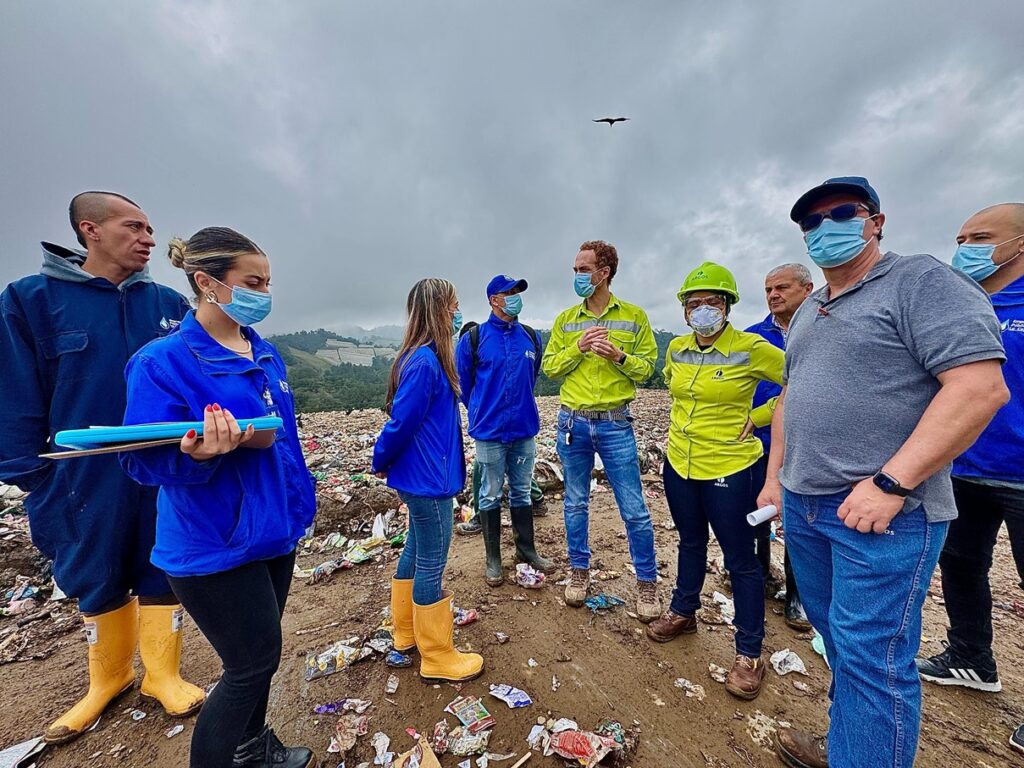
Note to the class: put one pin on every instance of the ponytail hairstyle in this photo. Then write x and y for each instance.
(428, 320)
(212, 250)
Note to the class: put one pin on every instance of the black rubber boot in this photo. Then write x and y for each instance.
(265, 750)
(491, 521)
(522, 531)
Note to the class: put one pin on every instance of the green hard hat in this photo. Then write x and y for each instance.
(710, 277)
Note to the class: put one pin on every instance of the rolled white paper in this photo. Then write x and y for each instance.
(758, 516)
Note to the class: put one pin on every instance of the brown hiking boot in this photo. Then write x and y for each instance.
(745, 677)
(671, 625)
(648, 607)
(799, 749)
(576, 589)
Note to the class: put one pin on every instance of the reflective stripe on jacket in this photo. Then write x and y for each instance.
(711, 391)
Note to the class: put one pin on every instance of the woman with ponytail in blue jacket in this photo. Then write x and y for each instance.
(232, 505)
(419, 451)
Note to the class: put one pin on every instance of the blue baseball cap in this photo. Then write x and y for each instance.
(504, 284)
(852, 185)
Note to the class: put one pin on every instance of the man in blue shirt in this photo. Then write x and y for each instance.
(988, 478)
(65, 337)
(785, 289)
(498, 363)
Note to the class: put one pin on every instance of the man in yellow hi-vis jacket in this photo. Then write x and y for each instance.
(602, 348)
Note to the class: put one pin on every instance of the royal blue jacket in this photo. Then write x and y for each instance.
(766, 390)
(998, 454)
(65, 337)
(249, 504)
(498, 392)
(420, 446)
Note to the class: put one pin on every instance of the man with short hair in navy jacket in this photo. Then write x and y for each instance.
(497, 375)
(988, 478)
(65, 337)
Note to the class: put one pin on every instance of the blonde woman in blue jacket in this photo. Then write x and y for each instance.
(420, 452)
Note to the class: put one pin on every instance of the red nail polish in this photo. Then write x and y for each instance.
(209, 409)
(190, 434)
(216, 407)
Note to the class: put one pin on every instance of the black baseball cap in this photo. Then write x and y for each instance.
(853, 185)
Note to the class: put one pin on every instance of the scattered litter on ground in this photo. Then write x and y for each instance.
(381, 743)
(529, 577)
(501, 637)
(726, 606)
(464, 616)
(692, 690)
(343, 705)
(420, 756)
(603, 602)
(718, 674)
(514, 697)
(174, 731)
(555, 684)
(398, 660)
(471, 713)
(138, 714)
(335, 657)
(346, 731)
(786, 661)
(19, 754)
(532, 663)
(392, 685)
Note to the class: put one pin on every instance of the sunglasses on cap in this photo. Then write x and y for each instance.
(843, 212)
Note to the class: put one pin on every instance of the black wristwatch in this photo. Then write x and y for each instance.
(889, 484)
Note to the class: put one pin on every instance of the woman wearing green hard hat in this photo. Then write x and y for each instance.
(712, 476)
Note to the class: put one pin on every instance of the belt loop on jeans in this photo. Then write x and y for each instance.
(618, 413)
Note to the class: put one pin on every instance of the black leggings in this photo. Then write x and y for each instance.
(239, 611)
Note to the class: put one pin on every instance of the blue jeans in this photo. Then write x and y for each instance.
(723, 504)
(498, 460)
(863, 592)
(615, 443)
(426, 546)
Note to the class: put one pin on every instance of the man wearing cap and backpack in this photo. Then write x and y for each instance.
(498, 363)
(892, 370)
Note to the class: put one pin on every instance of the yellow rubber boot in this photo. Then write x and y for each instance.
(401, 614)
(434, 626)
(112, 639)
(160, 649)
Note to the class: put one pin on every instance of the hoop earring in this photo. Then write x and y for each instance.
(211, 297)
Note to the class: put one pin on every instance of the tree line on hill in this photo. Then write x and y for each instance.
(319, 386)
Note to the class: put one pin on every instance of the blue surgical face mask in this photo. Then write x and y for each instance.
(706, 320)
(513, 305)
(583, 285)
(247, 307)
(457, 321)
(833, 243)
(975, 259)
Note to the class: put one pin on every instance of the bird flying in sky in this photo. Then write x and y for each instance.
(611, 120)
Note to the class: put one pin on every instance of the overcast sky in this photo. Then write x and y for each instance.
(367, 145)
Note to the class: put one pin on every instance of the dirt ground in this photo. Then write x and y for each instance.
(605, 666)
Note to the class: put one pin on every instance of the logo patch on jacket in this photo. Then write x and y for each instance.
(284, 386)
(531, 354)
(717, 376)
(167, 324)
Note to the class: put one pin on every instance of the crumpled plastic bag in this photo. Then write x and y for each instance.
(786, 661)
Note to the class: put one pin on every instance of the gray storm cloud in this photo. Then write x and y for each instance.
(366, 145)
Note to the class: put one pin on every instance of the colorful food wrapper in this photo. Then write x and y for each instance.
(471, 713)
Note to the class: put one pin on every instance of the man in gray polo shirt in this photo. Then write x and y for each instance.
(892, 370)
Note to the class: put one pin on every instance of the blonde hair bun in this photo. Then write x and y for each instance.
(176, 250)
